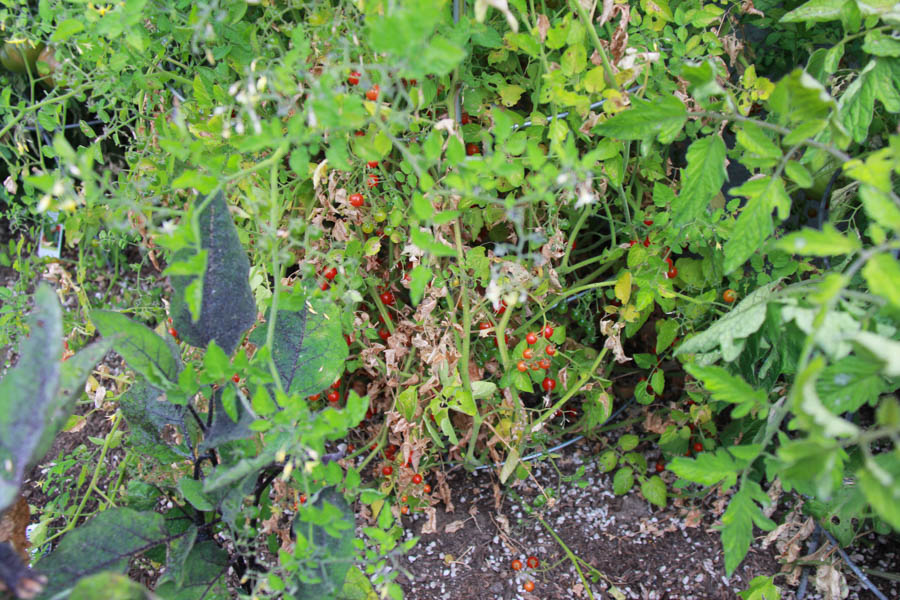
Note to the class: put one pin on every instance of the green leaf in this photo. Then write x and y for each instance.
(215, 361)
(725, 387)
(878, 44)
(197, 180)
(654, 491)
(227, 309)
(880, 482)
(308, 346)
(424, 239)
(857, 103)
(109, 586)
(886, 351)
(407, 403)
(192, 490)
(798, 174)
(810, 413)
(28, 394)
(663, 118)
(753, 227)
(419, 278)
(813, 242)
(815, 11)
(607, 461)
(231, 418)
(703, 178)
(262, 402)
(666, 331)
(798, 98)
(66, 29)
(105, 543)
(737, 523)
(709, 468)
(730, 331)
(623, 481)
(753, 138)
(762, 587)
(882, 273)
(147, 353)
(628, 442)
(879, 207)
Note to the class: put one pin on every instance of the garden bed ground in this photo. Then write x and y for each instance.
(642, 551)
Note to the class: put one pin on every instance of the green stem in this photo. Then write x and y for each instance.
(92, 486)
(39, 105)
(466, 320)
(569, 553)
(608, 74)
(574, 233)
(274, 218)
(548, 414)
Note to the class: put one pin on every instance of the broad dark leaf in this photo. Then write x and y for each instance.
(148, 413)
(105, 543)
(223, 429)
(179, 550)
(227, 308)
(331, 540)
(203, 575)
(28, 394)
(147, 353)
(73, 375)
(308, 347)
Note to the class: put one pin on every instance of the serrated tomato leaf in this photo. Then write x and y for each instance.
(737, 523)
(709, 468)
(327, 525)
(703, 178)
(227, 308)
(28, 394)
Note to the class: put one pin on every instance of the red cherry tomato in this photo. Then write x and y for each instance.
(236, 378)
(333, 396)
(356, 200)
(386, 471)
(384, 334)
(372, 180)
(372, 164)
(472, 149)
(372, 93)
(548, 332)
(354, 78)
(531, 338)
(330, 274)
(729, 296)
(387, 297)
(417, 479)
(533, 562)
(548, 384)
(522, 366)
(516, 565)
(527, 353)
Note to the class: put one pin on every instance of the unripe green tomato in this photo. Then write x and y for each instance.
(368, 227)
(15, 57)
(388, 230)
(396, 217)
(396, 237)
(380, 215)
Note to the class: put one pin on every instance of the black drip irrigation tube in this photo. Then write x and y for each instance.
(867, 583)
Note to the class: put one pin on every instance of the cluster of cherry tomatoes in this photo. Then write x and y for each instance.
(533, 563)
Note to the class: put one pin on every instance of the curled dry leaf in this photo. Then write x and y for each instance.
(430, 524)
(748, 9)
(543, 26)
(454, 526)
(619, 40)
(612, 332)
(444, 491)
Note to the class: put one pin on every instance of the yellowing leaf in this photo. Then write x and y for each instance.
(623, 287)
